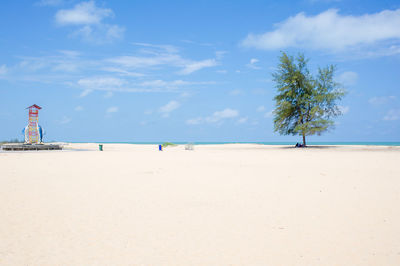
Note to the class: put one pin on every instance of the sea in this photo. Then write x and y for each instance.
(266, 143)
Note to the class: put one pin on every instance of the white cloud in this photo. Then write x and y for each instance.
(100, 34)
(384, 51)
(185, 94)
(114, 32)
(122, 72)
(261, 108)
(195, 66)
(194, 121)
(162, 83)
(84, 13)
(216, 117)
(242, 120)
(89, 18)
(169, 107)
(381, 100)
(66, 67)
(164, 47)
(100, 82)
(160, 55)
(197, 43)
(70, 68)
(392, 115)
(344, 109)
(147, 61)
(70, 53)
(108, 84)
(330, 31)
(112, 109)
(252, 63)
(78, 108)
(62, 62)
(111, 85)
(226, 113)
(254, 60)
(347, 78)
(85, 93)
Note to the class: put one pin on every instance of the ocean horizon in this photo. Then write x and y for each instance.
(379, 143)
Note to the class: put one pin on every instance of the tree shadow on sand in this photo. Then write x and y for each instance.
(322, 147)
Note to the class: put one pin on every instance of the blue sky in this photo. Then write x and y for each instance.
(191, 70)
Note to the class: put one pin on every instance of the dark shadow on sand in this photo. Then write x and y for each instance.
(310, 147)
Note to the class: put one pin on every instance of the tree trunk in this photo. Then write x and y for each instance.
(304, 140)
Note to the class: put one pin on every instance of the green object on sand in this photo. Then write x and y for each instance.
(166, 144)
(100, 147)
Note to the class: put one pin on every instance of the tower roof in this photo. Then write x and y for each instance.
(35, 106)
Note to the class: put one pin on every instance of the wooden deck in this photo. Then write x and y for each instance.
(29, 147)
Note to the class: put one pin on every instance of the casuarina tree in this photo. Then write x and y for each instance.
(305, 104)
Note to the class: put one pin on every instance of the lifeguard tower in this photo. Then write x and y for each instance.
(33, 135)
(33, 132)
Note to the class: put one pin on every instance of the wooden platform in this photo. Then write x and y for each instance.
(29, 147)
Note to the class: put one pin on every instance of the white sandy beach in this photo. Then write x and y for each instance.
(236, 204)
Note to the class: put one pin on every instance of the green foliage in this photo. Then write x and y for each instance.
(12, 141)
(305, 105)
(166, 144)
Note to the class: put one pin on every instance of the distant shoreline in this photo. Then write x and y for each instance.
(261, 143)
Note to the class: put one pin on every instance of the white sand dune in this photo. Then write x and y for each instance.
(236, 204)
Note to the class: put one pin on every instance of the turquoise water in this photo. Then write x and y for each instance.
(273, 143)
